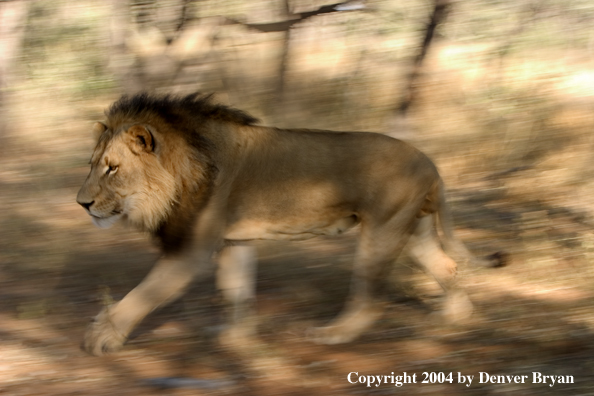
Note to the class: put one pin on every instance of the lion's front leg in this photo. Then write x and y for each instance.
(236, 281)
(167, 281)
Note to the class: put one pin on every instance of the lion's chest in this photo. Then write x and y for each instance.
(290, 229)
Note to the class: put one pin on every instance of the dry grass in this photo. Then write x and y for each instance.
(512, 136)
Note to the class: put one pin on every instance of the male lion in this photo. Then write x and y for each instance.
(203, 178)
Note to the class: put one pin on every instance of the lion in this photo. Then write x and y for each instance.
(204, 179)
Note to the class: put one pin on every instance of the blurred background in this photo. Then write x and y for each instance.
(498, 93)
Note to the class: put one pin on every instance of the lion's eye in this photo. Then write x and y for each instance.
(111, 170)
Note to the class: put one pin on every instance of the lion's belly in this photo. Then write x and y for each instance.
(249, 229)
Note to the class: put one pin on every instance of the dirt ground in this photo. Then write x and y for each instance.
(56, 271)
(512, 138)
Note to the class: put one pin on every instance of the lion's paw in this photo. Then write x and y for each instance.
(238, 336)
(101, 336)
(349, 325)
(457, 307)
(329, 335)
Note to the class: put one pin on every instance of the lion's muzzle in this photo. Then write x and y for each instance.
(86, 205)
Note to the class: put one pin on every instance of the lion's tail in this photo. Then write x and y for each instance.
(452, 244)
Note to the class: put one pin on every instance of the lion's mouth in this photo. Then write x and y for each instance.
(112, 213)
(108, 221)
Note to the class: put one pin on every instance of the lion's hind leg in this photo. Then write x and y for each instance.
(425, 248)
(379, 246)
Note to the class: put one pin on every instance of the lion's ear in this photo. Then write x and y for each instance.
(98, 129)
(142, 138)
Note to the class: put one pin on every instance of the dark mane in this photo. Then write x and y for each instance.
(175, 109)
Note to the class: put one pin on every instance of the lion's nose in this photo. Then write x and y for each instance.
(86, 205)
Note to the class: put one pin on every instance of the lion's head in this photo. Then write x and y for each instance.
(127, 179)
(154, 164)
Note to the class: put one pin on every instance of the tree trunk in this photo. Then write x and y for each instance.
(440, 11)
(13, 15)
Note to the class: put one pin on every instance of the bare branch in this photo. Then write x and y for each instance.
(284, 26)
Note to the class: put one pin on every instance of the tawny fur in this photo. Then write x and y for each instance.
(200, 176)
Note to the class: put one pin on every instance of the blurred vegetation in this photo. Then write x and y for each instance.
(504, 106)
(64, 49)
